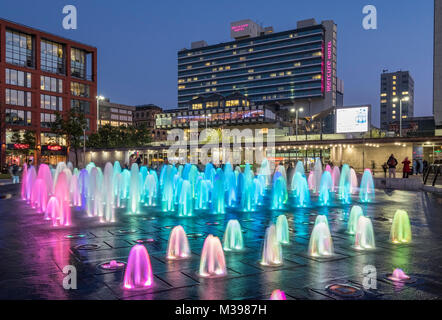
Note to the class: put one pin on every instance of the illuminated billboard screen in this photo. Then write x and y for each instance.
(351, 120)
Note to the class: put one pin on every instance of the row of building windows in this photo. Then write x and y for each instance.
(51, 84)
(222, 116)
(264, 62)
(46, 119)
(265, 50)
(18, 78)
(82, 106)
(52, 57)
(262, 77)
(258, 88)
(51, 102)
(184, 55)
(254, 61)
(20, 51)
(299, 67)
(18, 117)
(80, 89)
(18, 98)
(24, 99)
(289, 94)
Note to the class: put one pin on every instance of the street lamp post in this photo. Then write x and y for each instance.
(84, 147)
(207, 115)
(99, 98)
(296, 111)
(403, 98)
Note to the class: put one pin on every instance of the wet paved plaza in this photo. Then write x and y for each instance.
(33, 253)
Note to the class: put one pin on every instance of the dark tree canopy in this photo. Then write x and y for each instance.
(108, 136)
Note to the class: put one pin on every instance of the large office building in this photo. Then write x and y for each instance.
(41, 74)
(397, 90)
(437, 95)
(290, 68)
(115, 114)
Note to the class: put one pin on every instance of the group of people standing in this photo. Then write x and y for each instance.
(407, 169)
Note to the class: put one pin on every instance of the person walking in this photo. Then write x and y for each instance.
(406, 169)
(14, 171)
(418, 167)
(392, 163)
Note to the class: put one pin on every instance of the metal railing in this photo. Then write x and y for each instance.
(436, 170)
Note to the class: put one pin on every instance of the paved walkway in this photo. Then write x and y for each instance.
(33, 253)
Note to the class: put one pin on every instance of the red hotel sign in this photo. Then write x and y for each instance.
(54, 148)
(21, 146)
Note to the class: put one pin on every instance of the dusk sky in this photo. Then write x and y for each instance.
(138, 40)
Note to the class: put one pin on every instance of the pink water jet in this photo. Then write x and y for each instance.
(178, 247)
(31, 176)
(39, 196)
(278, 295)
(213, 263)
(138, 274)
(112, 265)
(336, 175)
(329, 169)
(63, 197)
(53, 211)
(44, 173)
(399, 275)
(24, 181)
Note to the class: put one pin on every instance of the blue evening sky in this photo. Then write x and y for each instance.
(138, 40)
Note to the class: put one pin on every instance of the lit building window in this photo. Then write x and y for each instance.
(19, 49)
(52, 57)
(232, 103)
(18, 78)
(212, 104)
(197, 106)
